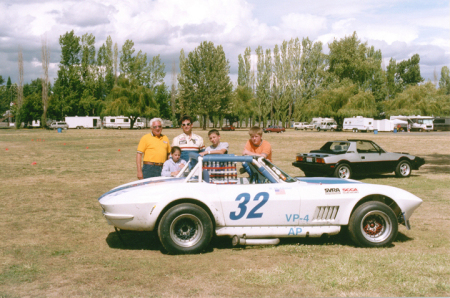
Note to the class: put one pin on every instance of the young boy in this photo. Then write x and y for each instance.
(173, 165)
(217, 146)
(256, 145)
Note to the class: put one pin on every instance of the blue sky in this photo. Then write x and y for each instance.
(398, 28)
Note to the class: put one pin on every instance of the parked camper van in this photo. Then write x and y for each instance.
(83, 122)
(358, 123)
(417, 123)
(327, 125)
(315, 123)
(120, 122)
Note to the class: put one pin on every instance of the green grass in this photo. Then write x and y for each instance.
(55, 241)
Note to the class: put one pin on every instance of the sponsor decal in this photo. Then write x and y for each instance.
(350, 190)
(183, 142)
(332, 191)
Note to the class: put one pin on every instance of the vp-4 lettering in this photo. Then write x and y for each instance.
(243, 205)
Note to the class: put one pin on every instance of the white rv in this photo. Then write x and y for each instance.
(416, 123)
(358, 123)
(120, 122)
(83, 122)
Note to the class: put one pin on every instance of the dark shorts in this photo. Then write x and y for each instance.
(149, 171)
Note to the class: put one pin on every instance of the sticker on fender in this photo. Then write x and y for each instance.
(295, 231)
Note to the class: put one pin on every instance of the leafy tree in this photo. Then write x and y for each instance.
(243, 95)
(409, 71)
(351, 59)
(68, 87)
(130, 99)
(32, 108)
(1, 80)
(162, 98)
(444, 81)
(205, 85)
(263, 104)
(418, 100)
(154, 72)
(127, 59)
(309, 75)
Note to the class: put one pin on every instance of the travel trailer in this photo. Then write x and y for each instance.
(358, 123)
(83, 122)
(120, 122)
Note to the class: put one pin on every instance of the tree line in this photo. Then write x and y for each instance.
(293, 81)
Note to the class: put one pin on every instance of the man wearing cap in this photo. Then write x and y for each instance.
(188, 141)
(156, 148)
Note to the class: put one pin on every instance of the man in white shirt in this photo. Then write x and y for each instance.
(188, 141)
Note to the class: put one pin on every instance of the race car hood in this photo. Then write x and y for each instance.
(143, 183)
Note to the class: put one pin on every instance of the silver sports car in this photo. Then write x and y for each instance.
(345, 159)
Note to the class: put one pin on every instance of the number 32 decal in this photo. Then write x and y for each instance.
(243, 205)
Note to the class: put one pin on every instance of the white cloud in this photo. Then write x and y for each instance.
(304, 23)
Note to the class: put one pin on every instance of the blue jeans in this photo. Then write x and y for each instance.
(149, 171)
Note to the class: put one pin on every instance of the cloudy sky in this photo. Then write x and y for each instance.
(400, 28)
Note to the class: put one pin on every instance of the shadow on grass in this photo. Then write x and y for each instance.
(134, 240)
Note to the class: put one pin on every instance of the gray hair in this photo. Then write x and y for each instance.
(155, 120)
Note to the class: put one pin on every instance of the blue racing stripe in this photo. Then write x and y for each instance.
(140, 184)
(322, 180)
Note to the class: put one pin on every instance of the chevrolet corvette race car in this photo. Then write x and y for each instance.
(253, 202)
(344, 159)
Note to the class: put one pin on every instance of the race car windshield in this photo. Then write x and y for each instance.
(281, 174)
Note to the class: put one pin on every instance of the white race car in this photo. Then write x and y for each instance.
(255, 203)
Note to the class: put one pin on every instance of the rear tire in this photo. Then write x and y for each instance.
(185, 229)
(403, 169)
(343, 171)
(373, 224)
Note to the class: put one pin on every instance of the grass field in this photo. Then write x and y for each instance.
(55, 241)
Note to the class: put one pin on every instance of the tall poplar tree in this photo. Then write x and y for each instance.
(206, 84)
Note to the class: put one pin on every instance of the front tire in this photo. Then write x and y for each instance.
(185, 229)
(373, 224)
(343, 171)
(403, 169)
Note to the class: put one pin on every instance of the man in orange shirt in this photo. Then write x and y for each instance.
(156, 148)
(256, 145)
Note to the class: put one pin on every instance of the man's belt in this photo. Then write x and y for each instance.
(153, 163)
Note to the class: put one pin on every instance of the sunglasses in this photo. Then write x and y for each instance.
(156, 126)
(186, 124)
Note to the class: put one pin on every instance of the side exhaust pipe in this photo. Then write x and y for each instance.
(244, 241)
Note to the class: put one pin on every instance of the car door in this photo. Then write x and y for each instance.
(372, 160)
(268, 204)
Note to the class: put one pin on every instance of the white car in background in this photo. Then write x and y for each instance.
(299, 125)
(208, 198)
